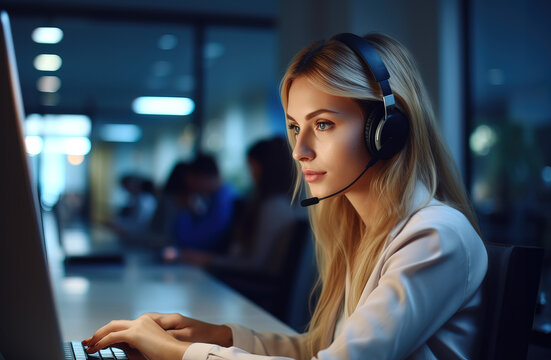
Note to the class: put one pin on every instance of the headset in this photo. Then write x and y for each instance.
(386, 127)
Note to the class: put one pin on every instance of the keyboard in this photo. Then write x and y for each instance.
(75, 351)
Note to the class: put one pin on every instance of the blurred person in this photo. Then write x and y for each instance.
(399, 252)
(135, 216)
(259, 236)
(161, 228)
(264, 235)
(205, 210)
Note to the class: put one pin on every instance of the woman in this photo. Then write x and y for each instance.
(399, 254)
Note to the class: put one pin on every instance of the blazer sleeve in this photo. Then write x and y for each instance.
(430, 270)
(251, 345)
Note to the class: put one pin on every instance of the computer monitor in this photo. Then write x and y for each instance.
(28, 322)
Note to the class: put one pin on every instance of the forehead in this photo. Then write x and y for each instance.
(304, 98)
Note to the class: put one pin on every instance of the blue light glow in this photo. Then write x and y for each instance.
(120, 132)
(151, 105)
(58, 125)
(67, 145)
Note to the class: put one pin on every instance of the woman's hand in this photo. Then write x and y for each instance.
(143, 334)
(186, 329)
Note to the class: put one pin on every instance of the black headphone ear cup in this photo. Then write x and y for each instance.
(394, 134)
(374, 116)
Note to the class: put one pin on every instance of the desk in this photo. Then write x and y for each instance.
(89, 297)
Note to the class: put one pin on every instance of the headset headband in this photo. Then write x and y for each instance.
(372, 60)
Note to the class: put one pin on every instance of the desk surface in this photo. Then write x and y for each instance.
(88, 297)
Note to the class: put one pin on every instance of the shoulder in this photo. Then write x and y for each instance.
(443, 234)
(437, 218)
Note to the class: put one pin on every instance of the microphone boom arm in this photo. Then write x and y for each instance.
(314, 200)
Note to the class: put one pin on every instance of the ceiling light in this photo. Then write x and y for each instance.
(47, 35)
(47, 62)
(58, 125)
(120, 132)
(151, 105)
(76, 145)
(34, 145)
(49, 84)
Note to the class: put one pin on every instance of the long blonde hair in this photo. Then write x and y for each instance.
(344, 243)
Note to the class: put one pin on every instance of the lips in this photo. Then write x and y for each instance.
(311, 175)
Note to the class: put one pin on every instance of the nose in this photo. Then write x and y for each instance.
(303, 150)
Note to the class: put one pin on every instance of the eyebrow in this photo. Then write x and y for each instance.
(315, 113)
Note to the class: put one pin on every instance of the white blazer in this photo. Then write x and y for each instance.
(420, 302)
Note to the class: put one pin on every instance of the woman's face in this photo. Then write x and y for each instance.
(329, 133)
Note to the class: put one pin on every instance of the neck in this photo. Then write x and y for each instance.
(363, 200)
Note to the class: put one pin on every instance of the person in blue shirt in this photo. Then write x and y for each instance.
(205, 209)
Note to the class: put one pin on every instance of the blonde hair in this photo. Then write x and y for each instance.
(343, 241)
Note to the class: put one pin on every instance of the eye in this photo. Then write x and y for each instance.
(294, 128)
(324, 125)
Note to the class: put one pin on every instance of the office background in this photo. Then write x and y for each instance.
(485, 64)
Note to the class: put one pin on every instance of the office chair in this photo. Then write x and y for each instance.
(509, 300)
(274, 292)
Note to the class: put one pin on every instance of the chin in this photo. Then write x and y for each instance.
(313, 193)
(319, 192)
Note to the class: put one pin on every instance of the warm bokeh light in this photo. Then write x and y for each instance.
(48, 84)
(47, 62)
(75, 159)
